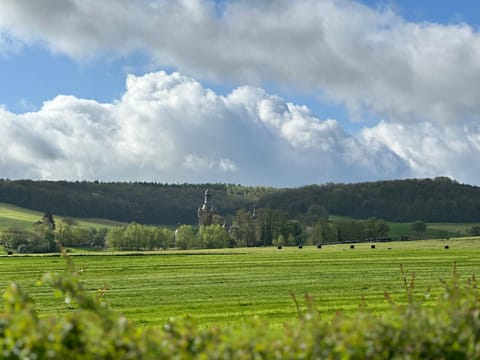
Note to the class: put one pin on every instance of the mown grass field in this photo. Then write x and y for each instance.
(231, 285)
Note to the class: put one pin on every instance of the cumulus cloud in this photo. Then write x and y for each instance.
(368, 59)
(431, 150)
(169, 128)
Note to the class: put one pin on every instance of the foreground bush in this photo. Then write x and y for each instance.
(450, 329)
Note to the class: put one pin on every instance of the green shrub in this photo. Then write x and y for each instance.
(448, 329)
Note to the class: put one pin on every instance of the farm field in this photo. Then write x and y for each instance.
(231, 285)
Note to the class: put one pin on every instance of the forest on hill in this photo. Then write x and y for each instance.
(433, 200)
(147, 203)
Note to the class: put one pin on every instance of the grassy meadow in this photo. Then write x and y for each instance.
(231, 285)
(25, 218)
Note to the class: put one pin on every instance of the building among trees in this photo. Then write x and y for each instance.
(207, 213)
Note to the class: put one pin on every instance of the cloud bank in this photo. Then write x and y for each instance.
(169, 128)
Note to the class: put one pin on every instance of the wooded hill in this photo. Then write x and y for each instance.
(147, 203)
(434, 200)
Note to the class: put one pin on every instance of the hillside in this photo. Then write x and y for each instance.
(147, 203)
(25, 218)
(432, 200)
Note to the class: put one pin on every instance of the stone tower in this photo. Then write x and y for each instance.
(206, 212)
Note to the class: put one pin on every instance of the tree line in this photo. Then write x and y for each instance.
(264, 227)
(47, 236)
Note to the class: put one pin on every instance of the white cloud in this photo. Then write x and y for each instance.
(431, 150)
(168, 127)
(365, 58)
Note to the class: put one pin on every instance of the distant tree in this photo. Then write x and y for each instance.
(349, 230)
(63, 234)
(19, 240)
(419, 227)
(269, 225)
(81, 237)
(324, 232)
(375, 228)
(99, 236)
(242, 230)
(13, 237)
(331, 233)
(213, 236)
(382, 228)
(185, 237)
(47, 219)
(114, 237)
(294, 233)
(474, 230)
(139, 237)
(317, 233)
(43, 239)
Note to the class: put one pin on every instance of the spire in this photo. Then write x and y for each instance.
(207, 211)
(206, 200)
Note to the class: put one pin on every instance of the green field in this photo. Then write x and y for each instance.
(25, 218)
(224, 286)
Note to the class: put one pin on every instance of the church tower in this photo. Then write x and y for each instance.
(206, 211)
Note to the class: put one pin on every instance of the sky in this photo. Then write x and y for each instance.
(256, 92)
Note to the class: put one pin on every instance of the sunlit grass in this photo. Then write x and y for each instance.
(232, 285)
(11, 215)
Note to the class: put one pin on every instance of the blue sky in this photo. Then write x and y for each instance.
(365, 96)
